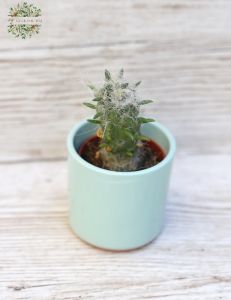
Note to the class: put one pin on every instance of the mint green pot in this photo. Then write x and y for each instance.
(118, 210)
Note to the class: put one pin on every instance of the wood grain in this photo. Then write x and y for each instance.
(43, 259)
(182, 52)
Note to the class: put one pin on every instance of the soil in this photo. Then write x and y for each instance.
(150, 152)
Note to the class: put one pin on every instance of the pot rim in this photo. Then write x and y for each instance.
(75, 155)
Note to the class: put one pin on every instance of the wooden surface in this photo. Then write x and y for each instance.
(182, 52)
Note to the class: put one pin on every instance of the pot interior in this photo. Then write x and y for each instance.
(151, 130)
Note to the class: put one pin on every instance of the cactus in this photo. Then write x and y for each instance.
(117, 109)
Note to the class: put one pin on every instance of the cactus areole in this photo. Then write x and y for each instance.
(119, 144)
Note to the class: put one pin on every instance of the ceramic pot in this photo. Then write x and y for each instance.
(118, 210)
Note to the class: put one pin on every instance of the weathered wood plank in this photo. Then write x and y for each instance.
(41, 98)
(108, 22)
(40, 258)
(180, 50)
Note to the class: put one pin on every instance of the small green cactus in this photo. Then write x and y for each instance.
(117, 114)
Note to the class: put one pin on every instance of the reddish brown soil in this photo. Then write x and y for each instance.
(151, 153)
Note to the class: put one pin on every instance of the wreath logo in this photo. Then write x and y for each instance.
(24, 20)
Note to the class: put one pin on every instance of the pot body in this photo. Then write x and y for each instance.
(118, 210)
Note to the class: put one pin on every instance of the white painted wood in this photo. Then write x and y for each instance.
(42, 259)
(182, 52)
